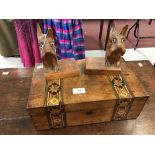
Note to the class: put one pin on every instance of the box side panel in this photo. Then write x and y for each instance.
(39, 118)
(137, 107)
(37, 91)
(36, 99)
(133, 82)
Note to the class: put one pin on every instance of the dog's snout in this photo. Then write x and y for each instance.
(122, 52)
(120, 47)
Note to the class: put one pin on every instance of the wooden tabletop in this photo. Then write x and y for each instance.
(14, 119)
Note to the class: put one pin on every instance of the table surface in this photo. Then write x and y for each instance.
(14, 119)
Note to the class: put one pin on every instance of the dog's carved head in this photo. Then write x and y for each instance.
(115, 48)
(47, 49)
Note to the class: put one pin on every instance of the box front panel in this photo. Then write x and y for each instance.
(90, 116)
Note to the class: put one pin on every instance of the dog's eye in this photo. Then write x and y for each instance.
(113, 40)
(122, 40)
(52, 43)
(41, 44)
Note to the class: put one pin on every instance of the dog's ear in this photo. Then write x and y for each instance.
(124, 30)
(39, 32)
(112, 28)
(49, 33)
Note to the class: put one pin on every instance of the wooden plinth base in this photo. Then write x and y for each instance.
(67, 68)
(96, 65)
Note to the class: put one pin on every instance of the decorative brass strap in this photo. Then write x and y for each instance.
(125, 98)
(54, 104)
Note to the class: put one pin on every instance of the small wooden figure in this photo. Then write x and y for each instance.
(48, 50)
(54, 69)
(110, 65)
(115, 48)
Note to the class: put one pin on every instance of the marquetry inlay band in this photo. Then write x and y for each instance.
(125, 98)
(54, 104)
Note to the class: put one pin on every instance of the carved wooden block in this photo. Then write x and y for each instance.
(67, 68)
(96, 65)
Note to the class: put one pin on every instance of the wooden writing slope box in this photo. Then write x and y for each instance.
(106, 98)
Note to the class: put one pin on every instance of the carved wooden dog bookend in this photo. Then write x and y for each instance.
(47, 49)
(110, 64)
(115, 48)
(54, 69)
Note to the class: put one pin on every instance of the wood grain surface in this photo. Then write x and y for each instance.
(96, 65)
(14, 118)
(67, 68)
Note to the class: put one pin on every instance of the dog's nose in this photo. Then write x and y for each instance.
(122, 52)
(119, 47)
